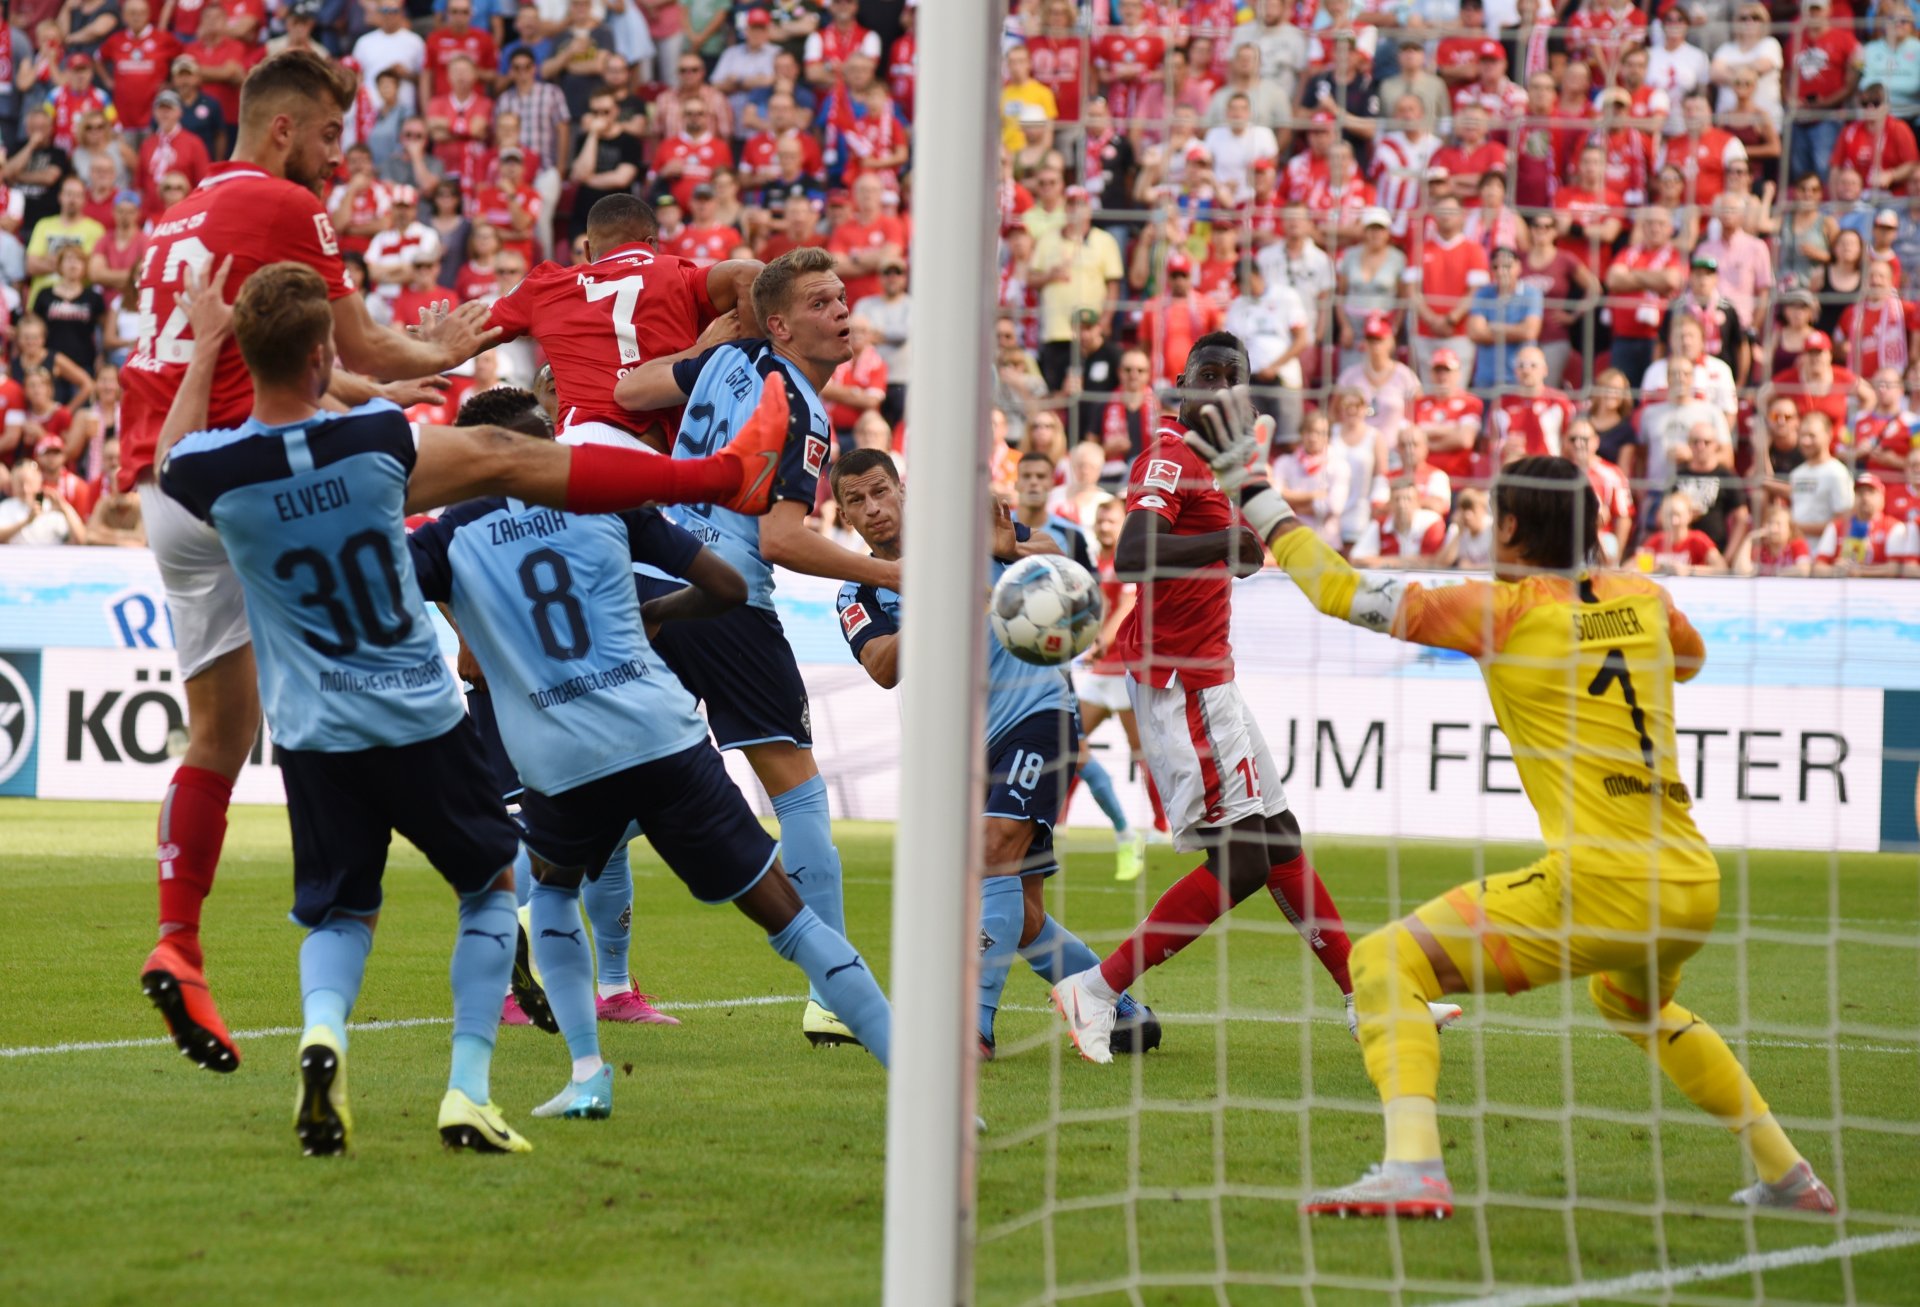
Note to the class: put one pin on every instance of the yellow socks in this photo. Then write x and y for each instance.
(1413, 1129)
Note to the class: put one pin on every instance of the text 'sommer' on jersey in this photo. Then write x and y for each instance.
(546, 601)
(1582, 685)
(597, 323)
(310, 515)
(238, 212)
(1015, 690)
(722, 387)
(1180, 626)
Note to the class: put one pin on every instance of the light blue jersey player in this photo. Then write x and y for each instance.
(371, 732)
(740, 665)
(1032, 491)
(604, 735)
(1032, 741)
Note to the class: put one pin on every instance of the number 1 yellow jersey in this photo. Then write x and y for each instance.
(1581, 675)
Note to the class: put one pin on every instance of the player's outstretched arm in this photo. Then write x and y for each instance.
(1148, 548)
(1232, 442)
(786, 541)
(388, 355)
(210, 319)
(652, 386)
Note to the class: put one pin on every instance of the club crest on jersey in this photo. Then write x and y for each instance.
(854, 619)
(1162, 474)
(816, 455)
(323, 228)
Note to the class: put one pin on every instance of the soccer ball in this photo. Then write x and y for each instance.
(1046, 610)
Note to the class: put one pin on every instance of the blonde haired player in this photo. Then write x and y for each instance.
(1580, 666)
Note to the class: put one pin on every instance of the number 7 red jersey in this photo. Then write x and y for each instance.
(596, 322)
(239, 212)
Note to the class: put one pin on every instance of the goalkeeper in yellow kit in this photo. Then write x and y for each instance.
(1580, 666)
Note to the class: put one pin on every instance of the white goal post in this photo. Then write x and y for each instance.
(936, 875)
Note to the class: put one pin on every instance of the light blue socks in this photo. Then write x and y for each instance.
(482, 965)
(1002, 914)
(1100, 785)
(566, 966)
(1056, 953)
(333, 962)
(839, 975)
(811, 861)
(609, 904)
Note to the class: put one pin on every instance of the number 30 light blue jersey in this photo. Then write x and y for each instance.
(546, 602)
(723, 388)
(312, 518)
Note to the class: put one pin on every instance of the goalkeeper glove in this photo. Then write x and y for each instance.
(1233, 440)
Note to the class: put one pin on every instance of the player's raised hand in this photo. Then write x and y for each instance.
(722, 329)
(1233, 440)
(461, 333)
(204, 301)
(1231, 437)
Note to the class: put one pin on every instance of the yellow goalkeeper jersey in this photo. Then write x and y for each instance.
(1581, 675)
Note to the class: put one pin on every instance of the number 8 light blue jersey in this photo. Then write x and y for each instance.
(723, 388)
(546, 601)
(312, 518)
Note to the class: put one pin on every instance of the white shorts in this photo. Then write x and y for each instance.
(208, 607)
(600, 433)
(1207, 757)
(1103, 690)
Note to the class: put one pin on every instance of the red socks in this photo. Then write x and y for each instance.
(1297, 888)
(1181, 916)
(603, 479)
(193, 825)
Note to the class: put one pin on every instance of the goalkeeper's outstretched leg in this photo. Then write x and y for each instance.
(1533, 927)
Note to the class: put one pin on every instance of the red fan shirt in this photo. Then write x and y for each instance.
(701, 159)
(476, 43)
(1451, 410)
(1637, 314)
(1877, 332)
(141, 65)
(705, 246)
(1060, 62)
(1449, 272)
(241, 212)
(1541, 418)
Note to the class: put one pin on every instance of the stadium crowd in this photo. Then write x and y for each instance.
(1681, 247)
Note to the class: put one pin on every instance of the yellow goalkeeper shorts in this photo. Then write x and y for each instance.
(1540, 924)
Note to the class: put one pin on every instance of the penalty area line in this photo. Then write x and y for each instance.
(403, 1023)
(1673, 1277)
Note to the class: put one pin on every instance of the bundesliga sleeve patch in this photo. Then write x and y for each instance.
(816, 455)
(1163, 474)
(323, 229)
(854, 619)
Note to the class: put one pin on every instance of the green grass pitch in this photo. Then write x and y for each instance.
(742, 1167)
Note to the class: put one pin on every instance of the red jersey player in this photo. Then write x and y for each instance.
(258, 209)
(628, 306)
(1216, 777)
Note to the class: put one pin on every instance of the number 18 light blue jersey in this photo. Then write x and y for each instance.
(545, 599)
(311, 515)
(723, 389)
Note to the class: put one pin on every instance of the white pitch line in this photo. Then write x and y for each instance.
(772, 1000)
(1673, 1277)
(405, 1023)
